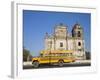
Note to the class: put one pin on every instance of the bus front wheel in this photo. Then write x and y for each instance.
(35, 64)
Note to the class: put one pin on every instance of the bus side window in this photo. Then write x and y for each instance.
(59, 54)
(63, 54)
(51, 54)
(71, 54)
(67, 54)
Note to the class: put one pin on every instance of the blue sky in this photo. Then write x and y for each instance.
(37, 23)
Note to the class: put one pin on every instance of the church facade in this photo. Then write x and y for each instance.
(61, 39)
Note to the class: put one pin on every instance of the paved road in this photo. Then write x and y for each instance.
(76, 64)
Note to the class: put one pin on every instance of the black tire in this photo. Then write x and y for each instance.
(60, 63)
(35, 64)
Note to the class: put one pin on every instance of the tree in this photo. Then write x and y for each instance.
(26, 55)
(88, 55)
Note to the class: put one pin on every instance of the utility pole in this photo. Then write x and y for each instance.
(50, 52)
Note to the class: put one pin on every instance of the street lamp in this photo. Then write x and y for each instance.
(50, 52)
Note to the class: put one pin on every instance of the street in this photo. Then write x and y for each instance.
(28, 65)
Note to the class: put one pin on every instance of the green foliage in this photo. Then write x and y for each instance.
(88, 55)
(26, 55)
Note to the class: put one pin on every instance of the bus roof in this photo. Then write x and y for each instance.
(56, 51)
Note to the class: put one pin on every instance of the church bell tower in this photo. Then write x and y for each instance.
(79, 43)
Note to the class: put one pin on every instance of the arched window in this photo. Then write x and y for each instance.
(79, 43)
(61, 44)
(79, 34)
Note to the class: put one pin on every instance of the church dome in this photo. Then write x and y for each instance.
(61, 25)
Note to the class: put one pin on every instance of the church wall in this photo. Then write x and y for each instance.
(79, 50)
(79, 46)
(70, 44)
(57, 44)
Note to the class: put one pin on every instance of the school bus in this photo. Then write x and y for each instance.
(53, 56)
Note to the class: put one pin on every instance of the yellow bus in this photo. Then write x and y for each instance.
(53, 56)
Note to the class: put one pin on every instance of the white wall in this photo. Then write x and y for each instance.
(70, 44)
(58, 41)
(5, 41)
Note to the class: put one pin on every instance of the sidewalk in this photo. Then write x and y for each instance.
(83, 61)
(29, 63)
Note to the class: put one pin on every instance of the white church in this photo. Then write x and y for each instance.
(62, 40)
